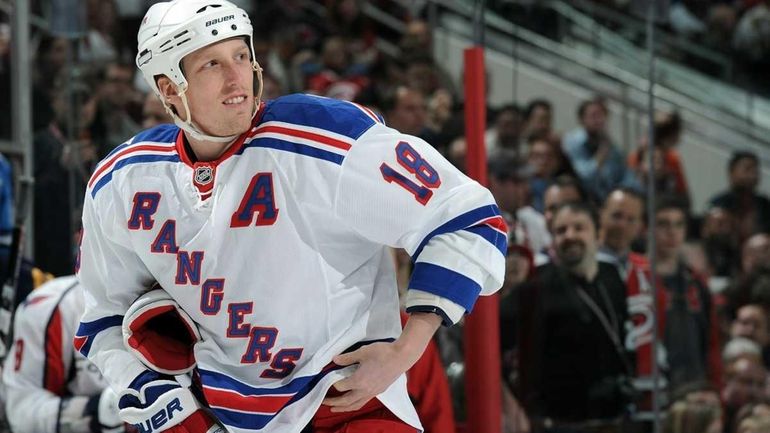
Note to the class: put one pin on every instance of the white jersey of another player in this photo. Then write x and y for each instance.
(278, 251)
(47, 383)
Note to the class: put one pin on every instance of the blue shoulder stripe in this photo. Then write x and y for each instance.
(158, 134)
(460, 222)
(299, 148)
(445, 283)
(128, 161)
(333, 115)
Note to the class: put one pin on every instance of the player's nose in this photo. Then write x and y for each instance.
(232, 74)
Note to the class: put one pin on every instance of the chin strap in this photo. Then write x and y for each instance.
(193, 131)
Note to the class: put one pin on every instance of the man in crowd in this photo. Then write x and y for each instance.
(750, 209)
(622, 220)
(688, 324)
(509, 184)
(753, 322)
(576, 306)
(593, 155)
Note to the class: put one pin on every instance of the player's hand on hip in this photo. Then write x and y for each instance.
(379, 365)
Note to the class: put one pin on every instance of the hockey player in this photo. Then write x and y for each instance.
(268, 223)
(49, 387)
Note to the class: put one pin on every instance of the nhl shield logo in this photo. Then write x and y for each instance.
(203, 178)
(204, 175)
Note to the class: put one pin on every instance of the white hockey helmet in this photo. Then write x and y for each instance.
(171, 30)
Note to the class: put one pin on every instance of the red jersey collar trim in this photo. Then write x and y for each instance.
(232, 150)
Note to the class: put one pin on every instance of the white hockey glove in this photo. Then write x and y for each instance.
(107, 419)
(154, 403)
(160, 334)
(96, 414)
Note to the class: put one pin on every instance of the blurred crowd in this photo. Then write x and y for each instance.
(737, 29)
(575, 205)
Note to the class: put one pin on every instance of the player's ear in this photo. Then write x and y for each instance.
(170, 96)
(167, 88)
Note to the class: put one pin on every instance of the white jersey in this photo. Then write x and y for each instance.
(278, 251)
(43, 371)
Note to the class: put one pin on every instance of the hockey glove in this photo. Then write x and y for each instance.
(160, 334)
(96, 414)
(107, 419)
(154, 403)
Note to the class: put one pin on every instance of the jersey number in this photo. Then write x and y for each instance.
(408, 158)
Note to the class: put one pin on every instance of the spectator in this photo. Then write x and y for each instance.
(622, 221)
(751, 43)
(755, 254)
(271, 88)
(752, 322)
(753, 418)
(685, 417)
(563, 190)
(49, 65)
(101, 43)
(598, 163)
(117, 103)
(440, 116)
(406, 111)
(505, 132)
(720, 244)
(278, 61)
(750, 288)
(686, 17)
(547, 161)
(347, 20)
(417, 39)
(153, 112)
(538, 121)
(56, 159)
(509, 184)
(721, 24)
(518, 268)
(669, 172)
(567, 304)
(421, 73)
(752, 283)
(689, 327)
(740, 346)
(750, 210)
(417, 43)
(665, 181)
(745, 379)
(339, 77)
